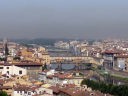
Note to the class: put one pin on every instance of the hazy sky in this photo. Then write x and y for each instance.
(84, 19)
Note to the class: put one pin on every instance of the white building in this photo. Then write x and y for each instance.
(32, 91)
(62, 45)
(12, 70)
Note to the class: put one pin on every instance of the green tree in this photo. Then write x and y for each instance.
(3, 93)
(44, 67)
(121, 90)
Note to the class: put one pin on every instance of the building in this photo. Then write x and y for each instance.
(72, 90)
(32, 91)
(121, 63)
(32, 68)
(54, 78)
(108, 56)
(62, 45)
(9, 70)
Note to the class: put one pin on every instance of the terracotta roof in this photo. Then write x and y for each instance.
(44, 72)
(4, 75)
(50, 76)
(14, 75)
(55, 89)
(72, 90)
(78, 92)
(65, 75)
(5, 87)
(22, 64)
(122, 56)
(2, 81)
(28, 64)
(5, 64)
(25, 88)
(113, 52)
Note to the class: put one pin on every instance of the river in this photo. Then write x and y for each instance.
(96, 77)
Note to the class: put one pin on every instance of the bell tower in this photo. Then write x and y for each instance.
(5, 47)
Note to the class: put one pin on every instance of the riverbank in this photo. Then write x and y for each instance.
(112, 75)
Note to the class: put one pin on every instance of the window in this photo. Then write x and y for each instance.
(29, 93)
(1, 67)
(28, 68)
(8, 72)
(7, 76)
(7, 67)
(25, 92)
(20, 72)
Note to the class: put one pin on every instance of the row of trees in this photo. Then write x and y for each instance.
(121, 90)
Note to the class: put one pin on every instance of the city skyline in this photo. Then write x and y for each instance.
(83, 19)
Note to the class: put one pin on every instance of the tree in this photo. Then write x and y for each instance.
(44, 67)
(3, 93)
(117, 90)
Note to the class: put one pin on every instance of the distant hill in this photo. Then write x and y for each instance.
(38, 41)
(44, 41)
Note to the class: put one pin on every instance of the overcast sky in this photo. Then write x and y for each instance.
(86, 19)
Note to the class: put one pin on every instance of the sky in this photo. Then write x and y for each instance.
(76, 19)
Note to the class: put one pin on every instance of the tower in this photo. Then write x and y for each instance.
(5, 47)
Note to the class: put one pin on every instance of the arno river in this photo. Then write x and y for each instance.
(105, 78)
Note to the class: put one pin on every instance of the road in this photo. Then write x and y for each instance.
(116, 72)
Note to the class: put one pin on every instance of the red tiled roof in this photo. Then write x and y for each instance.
(28, 64)
(112, 52)
(55, 89)
(62, 75)
(25, 88)
(22, 64)
(121, 56)
(5, 64)
(2, 81)
(71, 90)
(5, 87)
(50, 76)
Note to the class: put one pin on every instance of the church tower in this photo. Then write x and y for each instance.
(5, 47)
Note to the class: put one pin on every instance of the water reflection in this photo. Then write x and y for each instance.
(64, 66)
